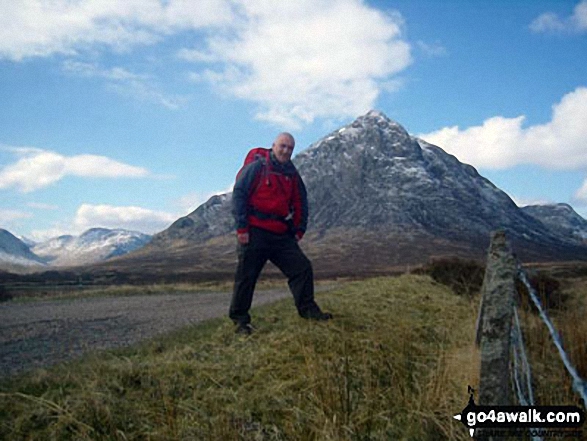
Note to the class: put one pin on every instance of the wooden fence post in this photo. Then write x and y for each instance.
(495, 323)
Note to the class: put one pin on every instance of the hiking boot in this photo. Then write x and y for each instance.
(316, 314)
(244, 329)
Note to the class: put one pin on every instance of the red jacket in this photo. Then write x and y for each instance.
(271, 196)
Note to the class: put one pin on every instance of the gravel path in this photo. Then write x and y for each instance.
(42, 333)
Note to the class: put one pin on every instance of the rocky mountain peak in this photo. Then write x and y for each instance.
(560, 217)
(377, 118)
(370, 177)
(372, 134)
(563, 208)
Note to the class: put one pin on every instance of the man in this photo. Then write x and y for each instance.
(270, 209)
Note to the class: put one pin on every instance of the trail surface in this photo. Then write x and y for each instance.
(42, 333)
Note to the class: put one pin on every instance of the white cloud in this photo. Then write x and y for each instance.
(189, 202)
(503, 142)
(581, 195)
(49, 233)
(93, 70)
(107, 216)
(12, 220)
(435, 49)
(550, 22)
(197, 56)
(302, 60)
(9, 216)
(129, 218)
(138, 86)
(38, 168)
(30, 28)
(42, 206)
(297, 60)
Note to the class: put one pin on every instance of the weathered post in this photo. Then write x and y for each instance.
(495, 323)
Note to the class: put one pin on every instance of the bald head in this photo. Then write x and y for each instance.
(283, 147)
(286, 135)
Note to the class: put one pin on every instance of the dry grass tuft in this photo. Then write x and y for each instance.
(552, 383)
(393, 364)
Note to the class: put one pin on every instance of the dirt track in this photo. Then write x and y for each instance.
(43, 333)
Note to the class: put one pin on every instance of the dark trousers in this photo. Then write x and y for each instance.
(284, 251)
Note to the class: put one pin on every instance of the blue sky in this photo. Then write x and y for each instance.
(131, 114)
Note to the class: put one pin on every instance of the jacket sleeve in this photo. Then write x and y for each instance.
(245, 182)
(300, 206)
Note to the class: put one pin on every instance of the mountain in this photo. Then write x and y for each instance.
(94, 245)
(53, 248)
(14, 251)
(28, 242)
(561, 218)
(211, 219)
(378, 199)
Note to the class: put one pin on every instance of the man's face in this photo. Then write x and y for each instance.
(283, 148)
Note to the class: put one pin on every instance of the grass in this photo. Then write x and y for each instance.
(552, 383)
(393, 364)
(73, 292)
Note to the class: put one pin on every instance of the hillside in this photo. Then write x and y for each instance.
(351, 378)
(379, 199)
(14, 252)
(94, 245)
(394, 363)
(562, 218)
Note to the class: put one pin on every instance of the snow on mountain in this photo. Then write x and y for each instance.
(372, 177)
(372, 173)
(28, 242)
(53, 248)
(94, 245)
(561, 218)
(14, 251)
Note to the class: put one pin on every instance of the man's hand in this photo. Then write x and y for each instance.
(243, 238)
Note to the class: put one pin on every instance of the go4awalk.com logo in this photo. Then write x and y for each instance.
(514, 418)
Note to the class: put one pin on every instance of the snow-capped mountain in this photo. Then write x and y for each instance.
(373, 174)
(51, 249)
(211, 219)
(561, 218)
(14, 251)
(94, 245)
(28, 242)
(379, 197)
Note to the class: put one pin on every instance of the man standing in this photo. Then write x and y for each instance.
(270, 208)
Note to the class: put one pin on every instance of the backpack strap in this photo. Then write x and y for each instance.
(287, 220)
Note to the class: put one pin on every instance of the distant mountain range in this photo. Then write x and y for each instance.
(379, 199)
(95, 245)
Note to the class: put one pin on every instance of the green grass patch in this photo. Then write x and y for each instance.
(393, 364)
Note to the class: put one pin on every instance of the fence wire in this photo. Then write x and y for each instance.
(521, 372)
(579, 385)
